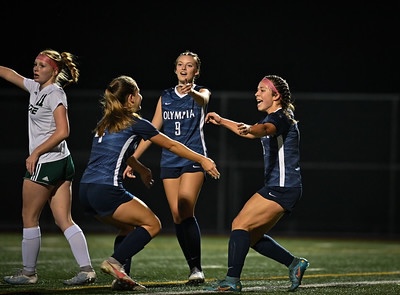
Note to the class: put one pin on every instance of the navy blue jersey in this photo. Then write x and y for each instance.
(183, 120)
(281, 152)
(109, 152)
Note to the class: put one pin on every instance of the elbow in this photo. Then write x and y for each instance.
(64, 135)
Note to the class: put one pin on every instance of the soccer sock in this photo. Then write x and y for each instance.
(268, 247)
(189, 238)
(77, 242)
(127, 265)
(239, 245)
(133, 243)
(31, 242)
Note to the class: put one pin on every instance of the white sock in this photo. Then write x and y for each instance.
(31, 242)
(77, 242)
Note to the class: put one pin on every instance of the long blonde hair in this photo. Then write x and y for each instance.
(67, 65)
(117, 115)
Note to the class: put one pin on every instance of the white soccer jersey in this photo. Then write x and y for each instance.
(41, 123)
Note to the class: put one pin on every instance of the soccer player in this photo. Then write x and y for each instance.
(49, 166)
(180, 113)
(282, 189)
(101, 190)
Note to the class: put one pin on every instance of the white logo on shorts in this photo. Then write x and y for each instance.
(272, 195)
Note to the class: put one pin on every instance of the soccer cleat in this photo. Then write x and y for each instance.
(225, 286)
(119, 285)
(296, 272)
(196, 277)
(118, 272)
(82, 278)
(20, 279)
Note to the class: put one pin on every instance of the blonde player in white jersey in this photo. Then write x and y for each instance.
(49, 167)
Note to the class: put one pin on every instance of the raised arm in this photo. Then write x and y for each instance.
(202, 97)
(12, 76)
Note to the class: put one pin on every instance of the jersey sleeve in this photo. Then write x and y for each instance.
(145, 128)
(57, 97)
(279, 120)
(31, 85)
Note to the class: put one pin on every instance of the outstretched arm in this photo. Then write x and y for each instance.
(12, 76)
(202, 96)
(242, 129)
(181, 150)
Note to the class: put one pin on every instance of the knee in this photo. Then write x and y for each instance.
(238, 223)
(154, 227)
(184, 209)
(235, 224)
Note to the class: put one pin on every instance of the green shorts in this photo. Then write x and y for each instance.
(52, 173)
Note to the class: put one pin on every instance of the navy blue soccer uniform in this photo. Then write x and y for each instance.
(183, 121)
(103, 175)
(282, 175)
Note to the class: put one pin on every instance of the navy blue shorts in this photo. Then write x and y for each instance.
(175, 172)
(287, 197)
(101, 199)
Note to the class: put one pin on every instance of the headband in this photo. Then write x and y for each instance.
(270, 85)
(47, 59)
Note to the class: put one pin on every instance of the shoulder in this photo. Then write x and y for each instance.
(54, 89)
(200, 87)
(168, 90)
(141, 120)
(277, 114)
(57, 95)
(143, 126)
(280, 120)
(31, 84)
(143, 123)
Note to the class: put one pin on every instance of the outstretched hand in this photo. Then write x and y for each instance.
(214, 118)
(186, 88)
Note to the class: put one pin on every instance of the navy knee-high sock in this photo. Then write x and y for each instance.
(268, 247)
(128, 262)
(239, 245)
(133, 243)
(189, 238)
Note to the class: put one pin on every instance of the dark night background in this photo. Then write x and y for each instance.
(329, 46)
(340, 59)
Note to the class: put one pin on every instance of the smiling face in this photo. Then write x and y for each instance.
(186, 69)
(267, 99)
